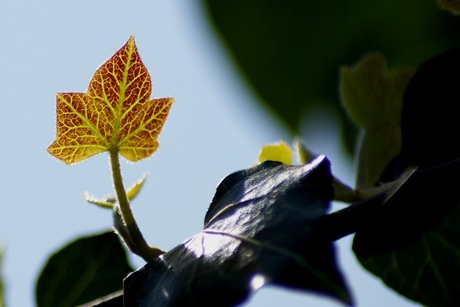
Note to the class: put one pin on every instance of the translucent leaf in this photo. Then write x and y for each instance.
(373, 97)
(115, 113)
(280, 152)
(261, 228)
(109, 201)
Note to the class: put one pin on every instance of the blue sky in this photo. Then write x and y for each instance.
(215, 127)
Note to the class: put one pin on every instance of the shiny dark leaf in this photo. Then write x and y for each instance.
(260, 229)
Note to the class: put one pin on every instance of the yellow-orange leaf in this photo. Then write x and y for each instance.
(115, 114)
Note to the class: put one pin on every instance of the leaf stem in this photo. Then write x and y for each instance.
(135, 241)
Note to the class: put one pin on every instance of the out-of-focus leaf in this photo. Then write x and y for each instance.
(261, 228)
(452, 6)
(290, 51)
(373, 96)
(413, 243)
(430, 113)
(82, 271)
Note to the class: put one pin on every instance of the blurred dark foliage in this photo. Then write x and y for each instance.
(290, 52)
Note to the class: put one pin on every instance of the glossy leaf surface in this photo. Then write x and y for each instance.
(260, 229)
(84, 270)
(115, 113)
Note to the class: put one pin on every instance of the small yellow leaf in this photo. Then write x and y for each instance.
(280, 152)
(107, 202)
(136, 188)
(114, 114)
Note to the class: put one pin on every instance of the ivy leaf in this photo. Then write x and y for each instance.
(261, 228)
(373, 96)
(413, 242)
(109, 201)
(82, 271)
(114, 114)
(430, 116)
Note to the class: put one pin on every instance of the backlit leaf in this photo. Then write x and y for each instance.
(109, 201)
(373, 96)
(261, 228)
(114, 114)
(280, 152)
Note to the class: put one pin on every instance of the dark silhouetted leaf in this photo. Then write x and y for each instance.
(260, 229)
(290, 51)
(82, 271)
(430, 121)
(413, 242)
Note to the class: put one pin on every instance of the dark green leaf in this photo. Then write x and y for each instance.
(430, 118)
(260, 229)
(413, 242)
(290, 51)
(82, 271)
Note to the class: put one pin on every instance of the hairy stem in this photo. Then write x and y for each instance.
(135, 239)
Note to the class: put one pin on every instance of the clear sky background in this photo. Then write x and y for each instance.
(215, 127)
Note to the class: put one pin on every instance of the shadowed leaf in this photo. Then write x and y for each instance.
(413, 244)
(259, 229)
(82, 271)
(115, 113)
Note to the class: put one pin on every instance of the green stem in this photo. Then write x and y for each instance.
(138, 244)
